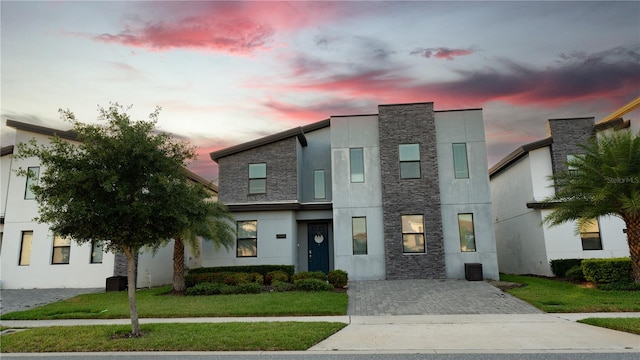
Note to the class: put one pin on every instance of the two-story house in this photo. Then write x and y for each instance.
(519, 183)
(400, 194)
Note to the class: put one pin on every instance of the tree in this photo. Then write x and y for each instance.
(117, 186)
(604, 181)
(206, 219)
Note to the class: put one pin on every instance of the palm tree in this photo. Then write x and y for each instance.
(604, 181)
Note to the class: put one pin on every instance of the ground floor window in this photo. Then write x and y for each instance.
(247, 239)
(96, 252)
(61, 250)
(25, 248)
(413, 234)
(590, 235)
(359, 235)
(467, 233)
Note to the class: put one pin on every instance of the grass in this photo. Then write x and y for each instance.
(280, 336)
(555, 296)
(157, 303)
(630, 325)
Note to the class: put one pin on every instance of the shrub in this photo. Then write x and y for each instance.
(603, 271)
(229, 278)
(277, 275)
(261, 269)
(338, 278)
(250, 288)
(204, 289)
(281, 286)
(319, 275)
(559, 267)
(621, 286)
(311, 284)
(575, 274)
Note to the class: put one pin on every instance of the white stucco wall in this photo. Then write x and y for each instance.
(470, 195)
(357, 199)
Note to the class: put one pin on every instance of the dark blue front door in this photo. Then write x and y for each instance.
(319, 247)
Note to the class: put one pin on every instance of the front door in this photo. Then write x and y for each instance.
(318, 247)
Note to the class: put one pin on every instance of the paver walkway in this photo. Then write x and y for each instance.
(23, 299)
(431, 297)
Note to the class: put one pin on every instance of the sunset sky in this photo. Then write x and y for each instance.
(229, 72)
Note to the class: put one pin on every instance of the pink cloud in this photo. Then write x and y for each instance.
(442, 52)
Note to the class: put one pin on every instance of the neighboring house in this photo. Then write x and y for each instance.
(31, 256)
(519, 183)
(401, 194)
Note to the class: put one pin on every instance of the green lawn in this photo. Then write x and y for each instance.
(555, 296)
(157, 303)
(172, 337)
(630, 325)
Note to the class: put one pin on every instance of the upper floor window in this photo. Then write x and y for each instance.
(413, 234)
(590, 235)
(97, 249)
(319, 190)
(25, 248)
(467, 233)
(359, 235)
(61, 250)
(247, 239)
(32, 179)
(570, 168)
(409, 155)
(258, 178)
(356, 161)
(460, 164)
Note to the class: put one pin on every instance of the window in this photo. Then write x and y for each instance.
(61, 250)
(97, 249)
(409, 155)
(412, 234)
(247, 239)
(356, 160)
(25, 248)
(359, 231)
(257, 178)
(572, 169)
(318, 185)
(460, 165)
(467, 234)
(32, 179)
(590, 235)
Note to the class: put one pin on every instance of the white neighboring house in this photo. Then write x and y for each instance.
(519, 183)
(31, 256)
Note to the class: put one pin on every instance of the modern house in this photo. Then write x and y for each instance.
(400, 194)
(31, 256)
(519, 183)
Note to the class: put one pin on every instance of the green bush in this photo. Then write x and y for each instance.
(338, 278)
(250, 288)
(319, 275)
(604, 271)
(277, 275)
(621, 286)
(205, 289)
(281, 286)
(311, 284)
(575, 274)
(559, 267)
(228, 278)
(261, 269)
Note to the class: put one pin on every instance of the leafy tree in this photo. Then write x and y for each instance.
(118, 185)
(605, 180)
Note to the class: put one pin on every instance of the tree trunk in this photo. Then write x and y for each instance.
(131, 283)
(633, 238)
(178, 265)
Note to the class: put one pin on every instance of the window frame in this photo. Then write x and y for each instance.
(95, 245)
(256, 179)
(25, 255)
(405, 232)
(239, 239)
(61, 254)
(464, 239)
(354, 234)
(456, 170)
(315, 184)
(584, 238)
(31, 180)
(410, 161)
(355, 177)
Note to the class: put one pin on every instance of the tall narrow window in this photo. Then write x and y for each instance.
(572, 169)
(318, 185)
(257, 178)
(467, 233)
(413, 234)
(32, 179)
(356, 160)
(590, 235)
(247, 239)
(460, 164)
(359, 232)
(25, 248)
(97, 249)
(61, 250)
(409, 161)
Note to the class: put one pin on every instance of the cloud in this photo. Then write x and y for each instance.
(316, 111)
(441, 52)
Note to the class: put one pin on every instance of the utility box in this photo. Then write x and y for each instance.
(473, 271)
(117, 283)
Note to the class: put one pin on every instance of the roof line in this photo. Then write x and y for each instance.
(65, 134)
(6, 150)
(517, 154)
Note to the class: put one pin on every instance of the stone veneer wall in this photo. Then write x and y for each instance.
(282, 173)
(567, 134)
(410, 124)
